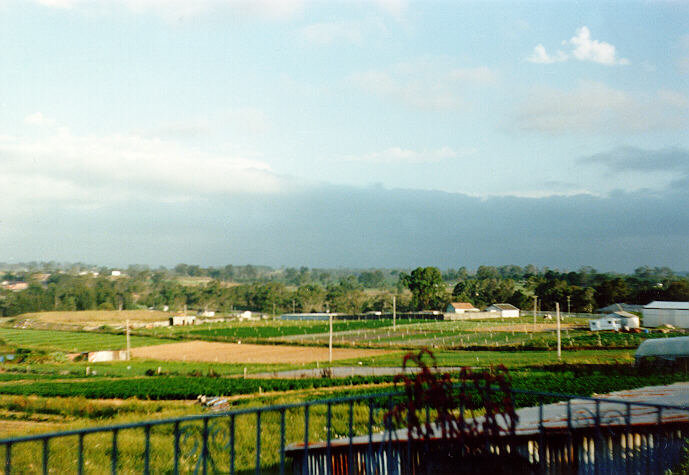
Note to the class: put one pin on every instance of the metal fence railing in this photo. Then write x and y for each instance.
(350, 435)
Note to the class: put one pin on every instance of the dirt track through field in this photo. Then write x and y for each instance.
(240, 353)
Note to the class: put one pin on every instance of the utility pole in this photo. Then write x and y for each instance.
(569, 308)
(535, 299)
(294, 306)
(330, 338)
(559, 340)
(394, 313)
(128, 344)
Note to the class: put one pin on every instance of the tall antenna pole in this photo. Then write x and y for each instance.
(559, 340)
(535, 299)
(394, 313)
(330, 339)
(569, 308)
(128, 344)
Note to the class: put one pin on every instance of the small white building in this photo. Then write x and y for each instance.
(207, 313)
(659, 313)
(181, 320)
(627, 320)
(101, 356)
(505, 310)
(245, 315)
(606, 323)
(460, 307)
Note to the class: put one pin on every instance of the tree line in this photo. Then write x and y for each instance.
(308, 290)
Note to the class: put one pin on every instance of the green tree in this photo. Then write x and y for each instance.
(427, 288)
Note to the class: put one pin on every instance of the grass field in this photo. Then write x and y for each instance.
(71, 342)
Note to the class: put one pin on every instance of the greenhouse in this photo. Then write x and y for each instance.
(674, 350)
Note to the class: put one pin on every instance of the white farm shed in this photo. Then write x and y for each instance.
(182, 320)
(627, 320)
(504, 309)
(659, 313)
(606, 323)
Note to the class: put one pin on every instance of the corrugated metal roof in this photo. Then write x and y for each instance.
(462, 305)
(585, 413)
(661, 304)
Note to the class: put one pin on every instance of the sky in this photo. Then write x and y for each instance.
(345, 134)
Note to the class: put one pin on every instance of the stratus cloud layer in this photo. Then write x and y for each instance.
(582, 48)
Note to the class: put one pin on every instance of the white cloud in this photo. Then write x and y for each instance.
(37, 118)
(587, 49)
(176, 9)
(541, 56)
(583, 48)
(326, 33)
(425, 84)
(98, 170)
(595, 107)
(402, 155)
(683, 60)
(480, 75)
(395, 8)
(57, 3)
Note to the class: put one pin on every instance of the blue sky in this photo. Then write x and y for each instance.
(218, 132)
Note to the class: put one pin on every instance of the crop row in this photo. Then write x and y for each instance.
(178, 387)
(174, 387)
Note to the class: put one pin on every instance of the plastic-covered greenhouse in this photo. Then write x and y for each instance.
(670, 349)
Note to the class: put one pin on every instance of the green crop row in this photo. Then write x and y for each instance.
(175, 387)
(178, 387)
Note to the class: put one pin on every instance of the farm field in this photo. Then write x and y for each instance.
(171, 366)
(245, 353)
(444, 334)
(93, 317)
(71, 342)
(262, 330)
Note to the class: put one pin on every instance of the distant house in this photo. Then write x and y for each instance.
(506, 310)
(116, 273)
(460, 307)
(245, 315)
(659, 313)
(207, 313)
(181, 320)
(15, 286)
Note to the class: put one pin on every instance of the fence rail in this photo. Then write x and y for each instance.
(350, 435)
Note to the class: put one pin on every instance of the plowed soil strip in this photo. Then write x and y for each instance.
(241, 353)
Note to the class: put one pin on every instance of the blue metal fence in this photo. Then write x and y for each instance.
(350, 435)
